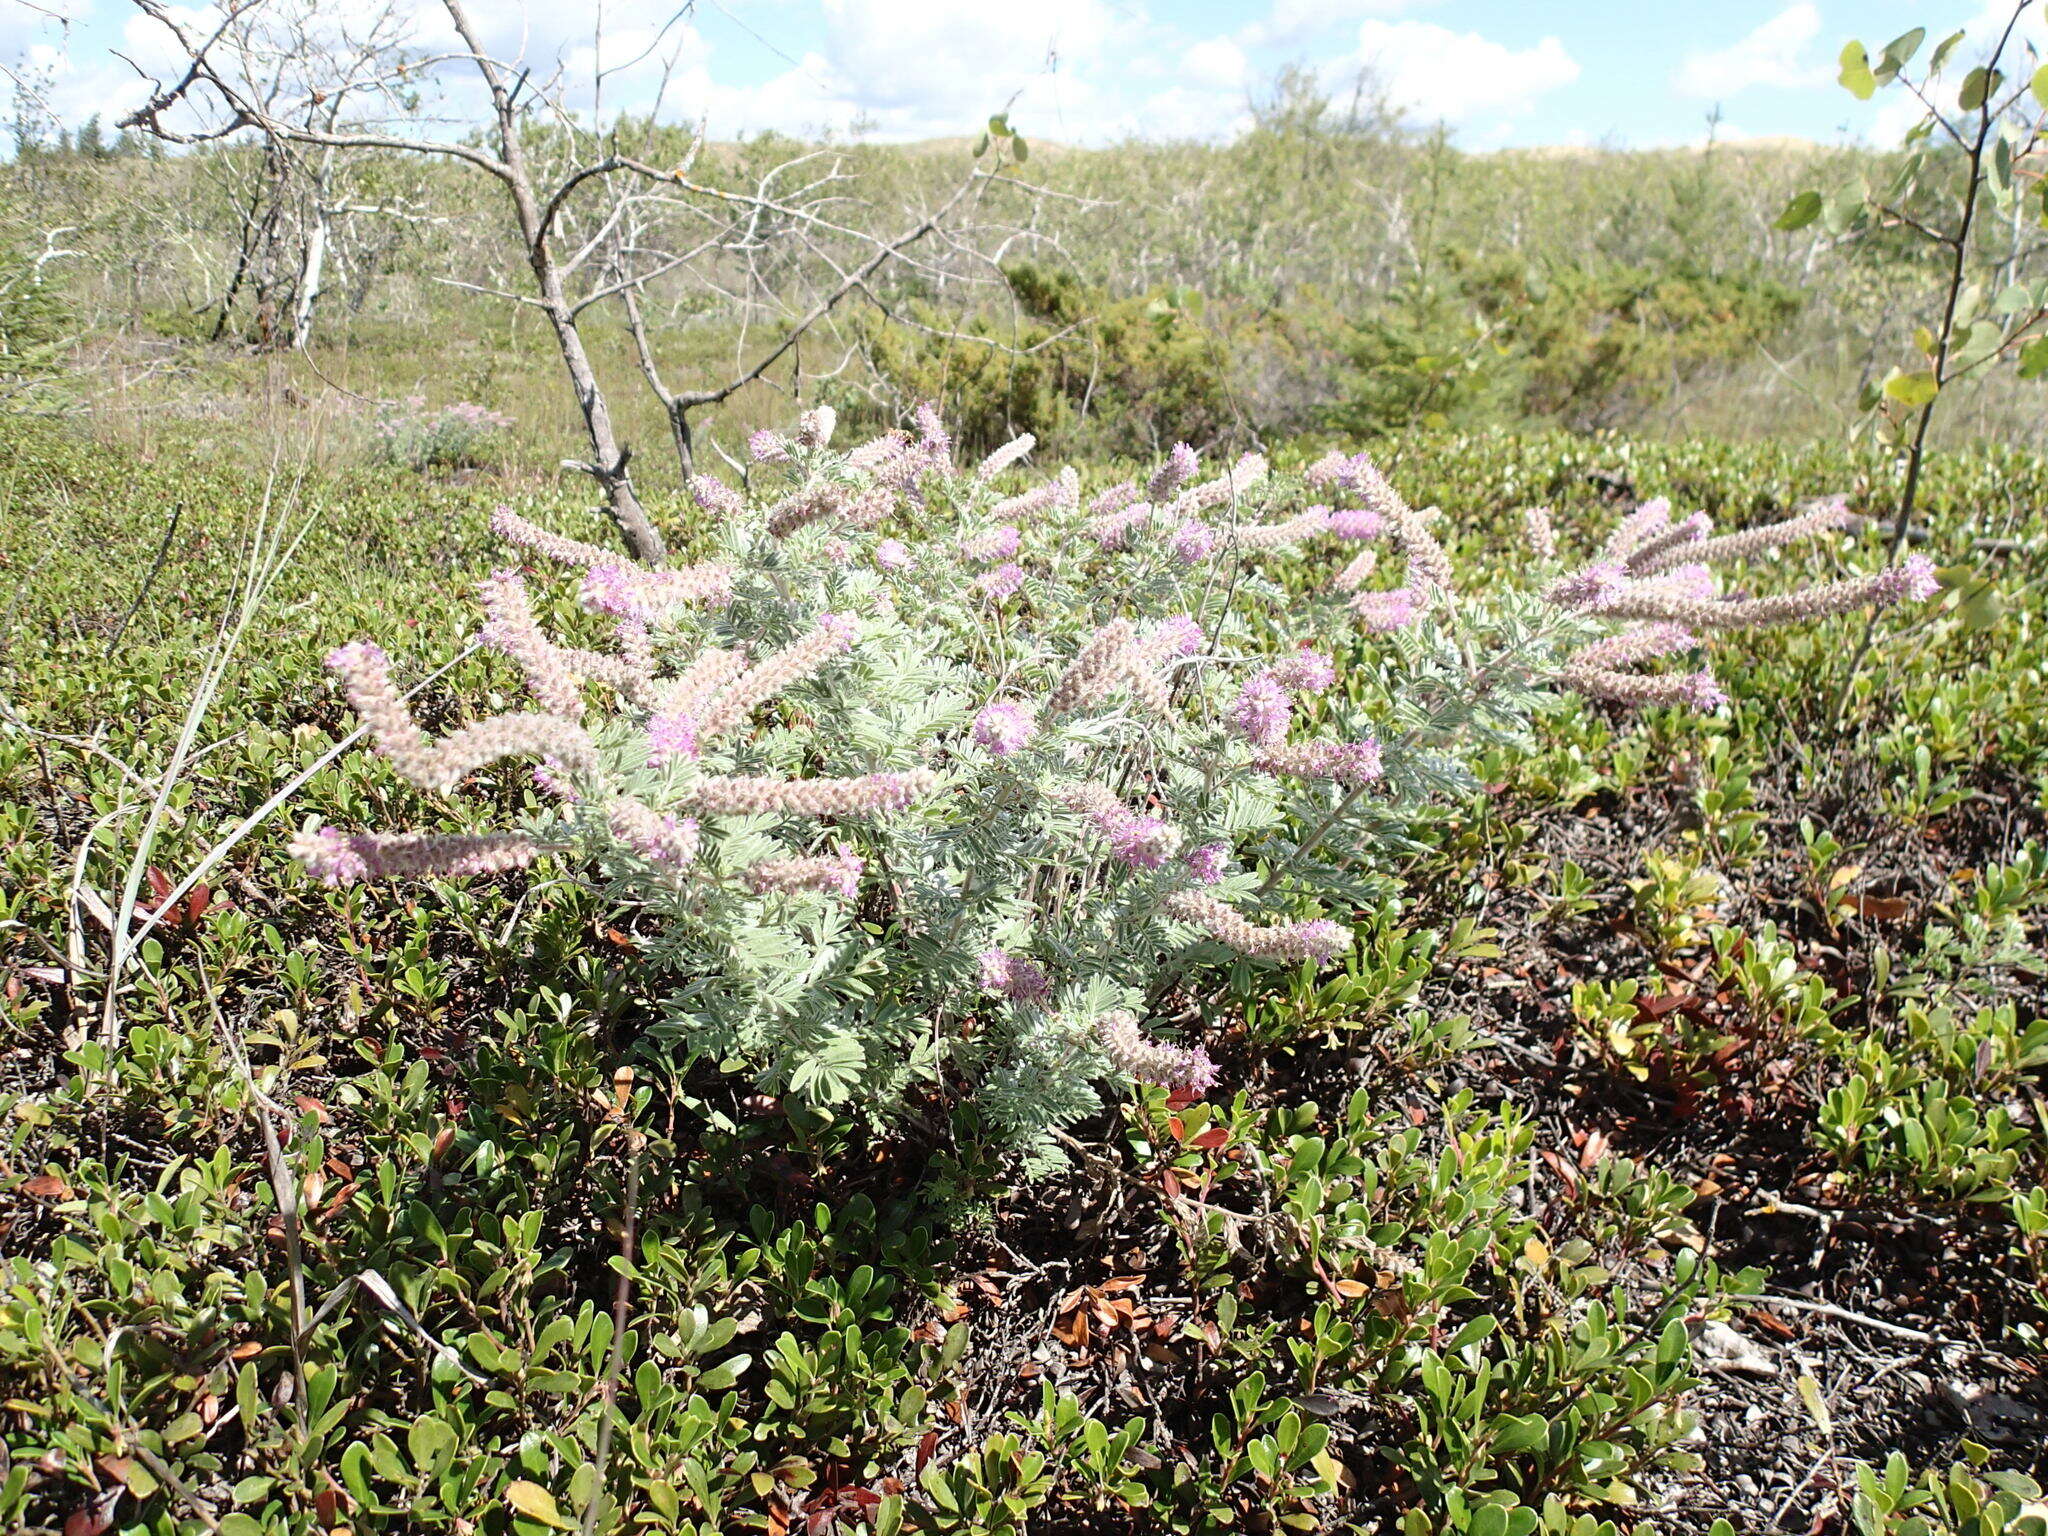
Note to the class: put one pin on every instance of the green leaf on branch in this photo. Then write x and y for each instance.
(2034, 358)
(1999, 176)
(1800, 212)
(1979, 85)
(1942, 51)
(1019, 148)
(1898, 53)
(2040, 86)
(1856, 77)
(1911, 389)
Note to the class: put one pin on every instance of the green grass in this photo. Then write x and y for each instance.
(329, 1229)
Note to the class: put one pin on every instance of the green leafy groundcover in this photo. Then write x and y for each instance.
(336, 1232)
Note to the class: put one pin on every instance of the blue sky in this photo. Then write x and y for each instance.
(1497, 72)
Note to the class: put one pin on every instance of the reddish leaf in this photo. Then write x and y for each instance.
(159, 884)
(47, 1186)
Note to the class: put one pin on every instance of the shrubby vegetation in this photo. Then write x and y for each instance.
(470, 1087)
(1250, 989)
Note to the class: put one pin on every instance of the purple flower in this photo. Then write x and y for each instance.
(1001, 582)
(1703, 693)
(1306, 671)
(766, 447)
(671, 737)
(1012, 976)
(1191, 541)
(1385, 612)
(996, 544)
(1588, 588)
(1260, 713)
(1115, 499)
(842, 629)
(1322, 939)
(1141, 841)
(1178, 469)
(932, 435)
(1359, 523)
(1913, 580)
(1205, 864)
(1004, 728)
(894, 555)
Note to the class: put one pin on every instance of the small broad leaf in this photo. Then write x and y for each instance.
(1856, 77)
(2040, 85)
(1800, 212)
(536, 1503)
(1898, 53)
(2034, 358)
(981, 146)
(1999, 177)
(1019, 148)
(1979, 85)
(999, 126)
(1943, 50)
(1913, 389)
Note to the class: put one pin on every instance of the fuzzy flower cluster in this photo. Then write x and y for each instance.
(1020, 980)
(831, 874)
(1136, 1054)
(1005, 728)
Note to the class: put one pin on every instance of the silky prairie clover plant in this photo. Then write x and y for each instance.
(925, 782)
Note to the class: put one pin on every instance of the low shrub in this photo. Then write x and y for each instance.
(463, 435)
(962, 814)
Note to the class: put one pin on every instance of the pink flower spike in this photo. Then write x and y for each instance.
(671, 738)
(1913, 580)
(996, 544)
(894, 555)
(1306, 671)
(1012, 976)
(1260, 713)
(1385, 612)
(1004, 728)
(1588, 588)
(1357, 523)
(1002, 582)
(1191, 541)
(1205, 864)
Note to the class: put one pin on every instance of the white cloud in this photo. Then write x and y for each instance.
(1292, 20)
(1775, 54)
(922, 68)
(1432, 73)
(1216, 62)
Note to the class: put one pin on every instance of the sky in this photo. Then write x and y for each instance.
(1497, 73)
